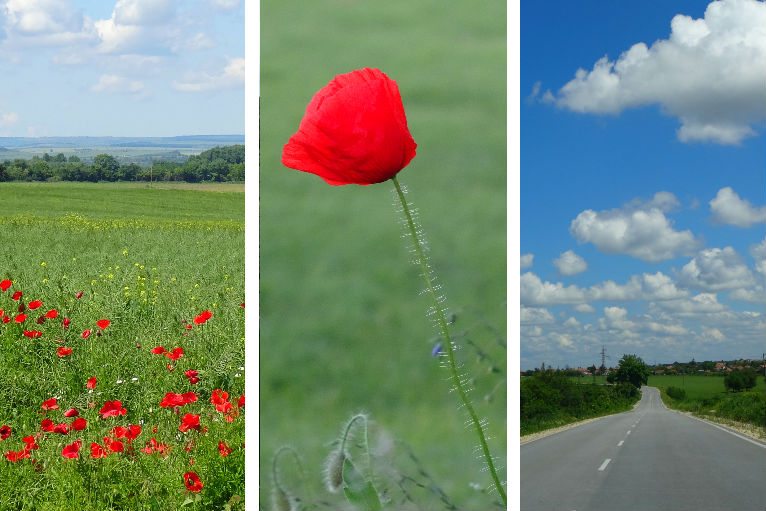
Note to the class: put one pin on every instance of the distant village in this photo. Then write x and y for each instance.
(707, 367)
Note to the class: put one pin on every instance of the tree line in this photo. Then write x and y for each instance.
(226, 163)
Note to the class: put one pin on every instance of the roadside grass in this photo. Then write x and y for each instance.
(343, 328)
(149, 261)
(707, 395)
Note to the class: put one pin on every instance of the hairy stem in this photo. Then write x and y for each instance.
(442, 324)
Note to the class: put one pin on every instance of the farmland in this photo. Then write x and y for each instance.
(137, 273)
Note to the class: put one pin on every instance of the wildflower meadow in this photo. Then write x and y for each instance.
(121, 348)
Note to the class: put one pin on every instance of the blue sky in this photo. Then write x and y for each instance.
(643, 180)
(121, 67)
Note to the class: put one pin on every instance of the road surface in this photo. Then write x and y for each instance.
(648, 459)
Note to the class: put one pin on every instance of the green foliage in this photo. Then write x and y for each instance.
(551, 398)
(676, 393)
(633, 370)
(740, 380)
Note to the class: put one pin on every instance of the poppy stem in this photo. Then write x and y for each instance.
(442, 324)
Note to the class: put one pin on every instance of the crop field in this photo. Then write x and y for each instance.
(343, 325)
(121, 348)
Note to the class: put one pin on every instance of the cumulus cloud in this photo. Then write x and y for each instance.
(226, 5)
(143, 12)
(44, 22)
(584, 308)
(570, 263)
(729, 208)
(702, 303)
(231, 76)
(709, 73)
(759, 255)
(8, 119)
(535, 316)
(527, 260)
(648, 286)
(716, 269)
(118, 85)
(536, 292)
(639, 229)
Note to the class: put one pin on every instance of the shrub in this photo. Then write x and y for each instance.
(740, 380)
(676, 393)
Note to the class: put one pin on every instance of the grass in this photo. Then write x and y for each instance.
(706, 395)
(342, 326)
(148, 260)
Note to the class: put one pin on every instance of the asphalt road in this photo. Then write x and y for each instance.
(649, 459)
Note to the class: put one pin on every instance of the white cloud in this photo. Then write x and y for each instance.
(709, 74)
(648, 286)
(570, 263)
(563, 340)
(702, 303)
(118, 85)
(232, 76)
(572, 323)
(143, 12)
(44, 23)
(729, 208)
(8, 119)
(584, 308)
(716, 269)
(535, 316)
(638, 229)
(226, 5)
(712, 334)
(753, 295)
(536, 292)
(759, 255)
(527, 260)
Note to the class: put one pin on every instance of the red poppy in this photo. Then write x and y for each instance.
(72, 451)
(242, 305)
(113, 445)
(192, 482)
(32, 334)
(50, 404)
(130, 432)
(203, 317)
(224, 449)
(192, 376)
(189, 421)
(112, 409)
(2, 312)
(79, 424)
(30, 443)
(91, 384)
(21, 307)
(14, 456)
(153, 446)
(5, 431)
(103, 323)
(61, 429)
(85, 334)
(78, 295)
(63, 351)
(16, 296)
(35, 304)
(220, 399)
(6, 319)
(72, 412)
(52, 314)
(354, 131)
(175, 354)
(96, 451)
(241, 401)
(66, 322)
(5, 284)
(20, 318)
(47, 425)
(158, 350)
(172, 399)
(40, 320)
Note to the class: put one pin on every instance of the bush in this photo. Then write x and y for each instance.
(739, 380)
(676, 393)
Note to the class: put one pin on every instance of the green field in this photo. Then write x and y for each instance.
(150, 261)
(707, 395)
(343, 327)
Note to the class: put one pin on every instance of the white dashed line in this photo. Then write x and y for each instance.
(621, 442)
(604, 464)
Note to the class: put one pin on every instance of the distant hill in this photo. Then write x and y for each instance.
(200, 142)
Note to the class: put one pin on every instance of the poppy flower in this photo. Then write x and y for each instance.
(6, 319)
(130, 432)
(96, 451)
(72, 412)
(241, 401)
(172, 399)
(63, 351)
(220, 399)
(103, 323)
(202, 317)
(17, 296)
(354, 131)
(5, 431)
(112, 409)
(223, 449)
(61, 429)
(5, 284)
(20, 318)
(158, 350)
(30, 443)
(153, 446)
(78, 295)
(175, 354)
(79, 424)
(192, 482)
(85, 334)
(40, 320)
(66, 322)
(32, 334)
(189, 421)
(91, 384)
(192, 376)
(50, 404)
(34, 304)
(47, 425)
(52, 314)
(14, 456)
(72, 451)
(113, 445)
